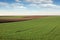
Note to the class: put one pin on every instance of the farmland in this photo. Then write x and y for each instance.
(46, 28)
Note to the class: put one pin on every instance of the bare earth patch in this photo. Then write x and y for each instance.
(19, 19)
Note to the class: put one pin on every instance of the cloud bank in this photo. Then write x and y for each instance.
(30, 7)
(36, 3)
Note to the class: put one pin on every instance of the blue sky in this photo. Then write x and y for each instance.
(29, 7)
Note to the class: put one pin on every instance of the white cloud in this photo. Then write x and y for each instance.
(49, 6)
(13, 5)
(3, 4)
(42, 3)
(17, 5)
(17, 0)
(34, 3)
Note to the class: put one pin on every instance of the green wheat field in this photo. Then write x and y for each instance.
(46, 28)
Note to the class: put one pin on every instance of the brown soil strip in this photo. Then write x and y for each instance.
(19, 19)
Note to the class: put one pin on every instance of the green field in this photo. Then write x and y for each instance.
(47, 28)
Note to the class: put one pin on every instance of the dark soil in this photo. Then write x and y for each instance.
(19, 19)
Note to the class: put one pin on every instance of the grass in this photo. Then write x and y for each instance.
(47, 28)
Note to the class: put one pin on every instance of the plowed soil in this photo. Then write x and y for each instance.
(19, 19)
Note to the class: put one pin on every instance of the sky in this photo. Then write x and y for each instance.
(29, 7)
